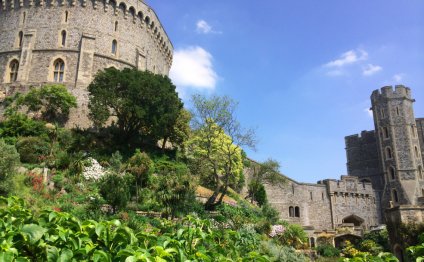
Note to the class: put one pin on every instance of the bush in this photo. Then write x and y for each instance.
(17, 124)
(327, 251)
(32, 149)
(114, 189)
(294, 236)
(9, 159)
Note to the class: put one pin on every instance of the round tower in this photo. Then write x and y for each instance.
(399, 147)
(69, 41)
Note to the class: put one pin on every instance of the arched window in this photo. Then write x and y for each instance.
(297, 212)
(389, 154)
(114, 47)
(116, 26)
(63, 37)
(312, 240)
(392, 173)
(291, 211)
(14, 68)
(58, 70)
(21, 38)
(395, 196)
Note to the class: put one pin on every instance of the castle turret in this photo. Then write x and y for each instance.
(400, 152)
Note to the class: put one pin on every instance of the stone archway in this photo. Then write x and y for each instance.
(353, 219)
(339, 241)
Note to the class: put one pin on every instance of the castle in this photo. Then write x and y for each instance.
(68, 41)
(385, 181)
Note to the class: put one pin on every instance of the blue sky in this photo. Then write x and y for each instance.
(302, 71)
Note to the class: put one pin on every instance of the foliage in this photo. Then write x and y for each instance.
(32, 149)
(367, 257)
(181, 129)
(53, 102)
(267, 172)
(294, 236)
(281, 253)
(143, 103)
(174, 187)
(371, 247)
(140, 166)
(17, 124)
(417, 251)
(217, 142)
(56, 236)
(380, 237)
(270, 213)
(115, 161)
(9, 160)
(222, 158)
(327, 250)
(114, 189)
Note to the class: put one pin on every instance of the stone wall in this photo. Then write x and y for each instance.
(31, 33)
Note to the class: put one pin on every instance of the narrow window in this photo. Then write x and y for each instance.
(66, 16)
(420, 172)
(63, 36)
(297, 212)
(414, 134)
(21, 38)
(291, 211)
(59, 70)
(312, 242)
(322, 196)
(116, 26)
(422, 192)
(392, 173)
(395, 196)
(311, 195)
(383, 115)
(397, 111)
(14, 67)
(292, 189)
(416, 151)
(114, 47)
(389, 153)
(23, 17)
(386, 132)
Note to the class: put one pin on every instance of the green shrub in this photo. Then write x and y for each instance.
(62, 160)
(327, 251)
(114, 189)
(32, 149)
(9, 160)
(17, 124)
(294, 236)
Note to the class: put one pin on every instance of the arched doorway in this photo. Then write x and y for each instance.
(353, 219)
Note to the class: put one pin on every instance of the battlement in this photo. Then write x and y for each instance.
(349, 184)
(364, 137)
(399, 91)
(135, 11)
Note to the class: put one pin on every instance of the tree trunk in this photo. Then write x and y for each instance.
(210, 204)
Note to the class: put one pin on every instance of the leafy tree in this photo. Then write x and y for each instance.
(53, 102)
(217, 142)
(220, 155)
(181, 129)
(141, 102)
(114, 189)
(18, 124)
(140, 166)
(267, 173)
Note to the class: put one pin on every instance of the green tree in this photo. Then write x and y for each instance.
(114, 189)
(181, 130)
(140, 166)
(266, 173)
(53, 102)
(141, 102)
(217, 142)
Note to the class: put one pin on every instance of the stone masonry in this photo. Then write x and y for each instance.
(87, 35)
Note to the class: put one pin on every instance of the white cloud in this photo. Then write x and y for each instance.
(192, 67)
(203, 27)
(349, 57)
(335, 73)
(398, 77)
(371, 69)
(368, 111)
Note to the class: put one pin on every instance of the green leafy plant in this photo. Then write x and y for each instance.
(33, 149)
